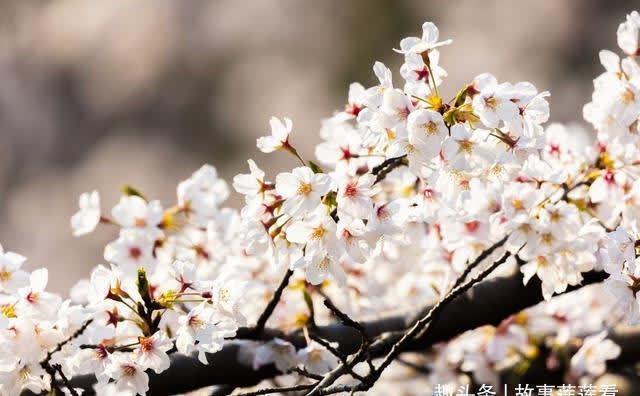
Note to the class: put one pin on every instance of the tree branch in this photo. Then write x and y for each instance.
(271, 306)
(408, 335)
(486, 303)
(381, 171)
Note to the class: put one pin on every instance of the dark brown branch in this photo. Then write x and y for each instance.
(336, 353)
(568, 190)
(271, 306)
(486, 303)
(345, 319)
(428, 320)
(65, 380)
(381, 171)
(481, 257)
(408, 335)
(268, 391)
(51, 370)
(73, 336)
(305, 373)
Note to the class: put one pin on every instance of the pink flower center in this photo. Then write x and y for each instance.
(472, 226)
(351, 190)
(146, 344)
(423, 74)
(353, 109)
(135, 252)
(609, 177)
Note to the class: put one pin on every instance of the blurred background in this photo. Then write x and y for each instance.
(95, 94)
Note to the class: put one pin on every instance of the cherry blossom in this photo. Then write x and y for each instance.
(592, 356)
(88, 217)
(301, 189)
(279, 138)
(412, 197)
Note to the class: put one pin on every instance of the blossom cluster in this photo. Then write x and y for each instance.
(406, 189)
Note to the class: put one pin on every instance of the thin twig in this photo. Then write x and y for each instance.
(271, 306)
(73, 336)
(345, 319)
(65, 380)
(408, 336)
(268, 391)
(568, 190)
(486, 253)
(51, 369)
(489, 304)
(427, 320)
(305, 373)
(338, 389)
(343, 358)
(381, 171)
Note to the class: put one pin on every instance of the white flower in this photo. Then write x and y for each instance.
(97, 359)
(129, 377)
(279, 138)
(318, 267)
(618, 248)
(184, 273)
(202, 193)
(354, 195)
(629, 34)
(373, 95)
(31, 377)
(11, 276)
(280, 352)
(625, 290)
(549, 273)
(87, 218)
(317, 233)
(540, 171)
(198, 326)
(623, 282)
(257, 239)
(506, 338)
(251, 184)
(133, 211)
(357, 97)
(533, 111)
(350, 233)
(518, 201)
(222, 329)
(104, 281)
(592, 356)
(493, 102)
(429, 40)
(415, 71)
(462, 148)
(316, 359)
(301, 189)
(396, 107)
(606, 186)
(227, 293)
(35, 299)
(132, 250)
(426, 134)
(152, 352)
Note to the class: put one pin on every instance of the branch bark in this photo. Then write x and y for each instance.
(487, 303)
